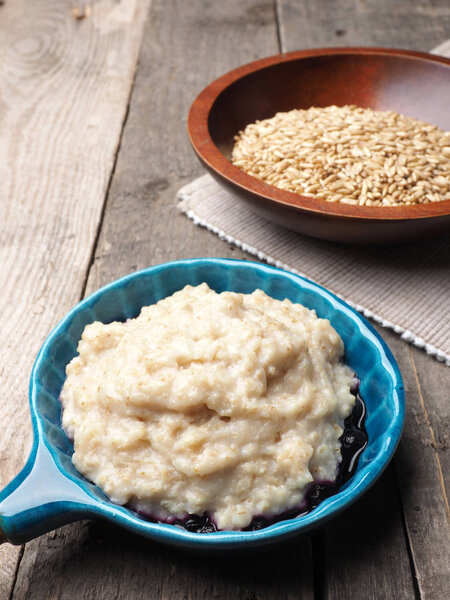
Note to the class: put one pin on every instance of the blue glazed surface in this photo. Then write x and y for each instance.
(49, 492)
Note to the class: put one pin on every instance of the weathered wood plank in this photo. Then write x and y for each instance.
(419, 473)
(64, 90)
(103, 562)
(433, 381)
(141, 225)
(366, 547)
(185, 46)
(417, 25)
(421, 26)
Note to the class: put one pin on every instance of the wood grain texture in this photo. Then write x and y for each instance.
(407, 24)
(433, 382)
(101, 562)
(366, 553)
(185, 47)
(420, 474)
(64, 90)
(141, 227)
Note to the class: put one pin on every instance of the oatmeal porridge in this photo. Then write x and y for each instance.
(227, 404)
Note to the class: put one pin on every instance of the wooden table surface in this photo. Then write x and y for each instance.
(93, 148)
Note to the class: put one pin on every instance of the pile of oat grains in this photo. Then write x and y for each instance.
(348, 154)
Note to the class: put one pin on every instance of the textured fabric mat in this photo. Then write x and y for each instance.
(405, 288)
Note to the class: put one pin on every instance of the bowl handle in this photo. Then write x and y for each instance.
(40, 499)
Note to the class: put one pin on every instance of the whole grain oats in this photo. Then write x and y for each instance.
(348, 154)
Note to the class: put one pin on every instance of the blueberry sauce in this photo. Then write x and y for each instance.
(353, 441)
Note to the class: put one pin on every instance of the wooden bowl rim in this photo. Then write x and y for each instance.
(204, 146)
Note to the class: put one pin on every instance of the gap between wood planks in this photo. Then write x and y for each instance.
(408, 540)
(278, 21)
(16, 571)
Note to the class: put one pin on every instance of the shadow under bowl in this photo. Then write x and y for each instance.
(414, 84)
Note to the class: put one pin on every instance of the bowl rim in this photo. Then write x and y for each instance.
(212, 157)
(357, 485)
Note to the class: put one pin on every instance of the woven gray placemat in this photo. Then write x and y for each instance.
(405, 288)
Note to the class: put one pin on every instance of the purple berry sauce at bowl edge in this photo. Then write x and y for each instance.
(353, 441)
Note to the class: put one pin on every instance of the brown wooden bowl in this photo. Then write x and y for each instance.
(415, 84)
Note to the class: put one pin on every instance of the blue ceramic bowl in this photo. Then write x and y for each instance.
(49, 492)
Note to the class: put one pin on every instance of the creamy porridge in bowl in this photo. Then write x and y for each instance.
(229, 405)
(51, 491)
